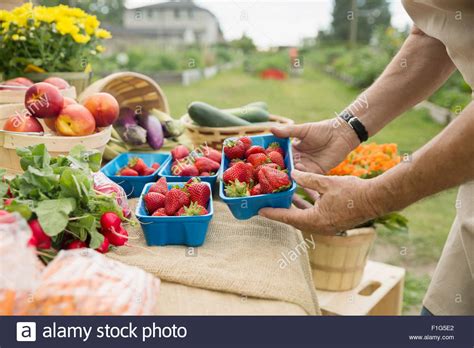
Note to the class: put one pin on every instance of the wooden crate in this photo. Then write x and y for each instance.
(379, 293)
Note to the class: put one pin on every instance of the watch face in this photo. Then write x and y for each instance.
(346, 116)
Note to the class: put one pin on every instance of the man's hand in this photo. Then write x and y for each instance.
(342, 203)
(320, 146)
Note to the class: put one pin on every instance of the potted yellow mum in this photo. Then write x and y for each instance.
(38, 42)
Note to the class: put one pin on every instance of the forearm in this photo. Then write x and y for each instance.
(446, 161)
(419, 69)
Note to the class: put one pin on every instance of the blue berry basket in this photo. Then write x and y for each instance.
(166, 172)
(173, 230)
(133, 185)
(244, 208)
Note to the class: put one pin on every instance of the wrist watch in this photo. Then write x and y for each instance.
(355, 124)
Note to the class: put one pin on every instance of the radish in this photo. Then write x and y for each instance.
(109, 221)
(40, 239)
(104, 247)
(117, 237)
(76, 244)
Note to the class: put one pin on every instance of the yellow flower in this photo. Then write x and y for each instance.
(15, 37)
(80, 38)
(100, 48)
(103, 34)
(66, 26)
(91, 24)
(44, 14)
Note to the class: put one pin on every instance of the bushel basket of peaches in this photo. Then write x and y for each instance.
(48, 117)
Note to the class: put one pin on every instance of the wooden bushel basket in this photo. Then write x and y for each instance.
(214, 136)
(338, 262)
(131, 90)
(56, 145)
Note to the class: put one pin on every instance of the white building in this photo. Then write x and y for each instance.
(178, 22)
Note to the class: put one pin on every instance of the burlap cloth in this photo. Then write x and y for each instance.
(239, 257)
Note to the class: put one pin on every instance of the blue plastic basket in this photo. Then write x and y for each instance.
(166, 172)
(244, 208)
(133, 185)
(173, 230)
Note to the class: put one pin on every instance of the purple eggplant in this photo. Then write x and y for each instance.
(154, 131)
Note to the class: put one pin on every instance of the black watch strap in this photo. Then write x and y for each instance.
(355, 124)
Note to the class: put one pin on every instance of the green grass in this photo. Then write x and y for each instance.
(316, 96)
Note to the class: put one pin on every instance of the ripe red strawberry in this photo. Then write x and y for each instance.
(273, 180)
(257, 169)
(256, 190)
(237, 189)
(153, 201)
(184, 169)
(161, 186)
(175, 199)
(234, 161)
(257, 159)
(240, 171)
(179, 152)
(199, 192)
(128, 172)
(155, 165)
(213, 154)
(247, 142)
(277, 158)
(204, 164)
(136, 163)
(275, 147)
(205, 174)
(254, 149)
(159, 212)
(234, 149)
(148, 171)
(194, 209)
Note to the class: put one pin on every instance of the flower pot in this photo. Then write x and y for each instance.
(338, 262)
(80, 80)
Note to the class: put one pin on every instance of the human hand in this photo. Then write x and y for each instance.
(320, 146)
(341, 203)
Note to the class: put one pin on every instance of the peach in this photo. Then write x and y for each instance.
(104, 107)
(22, 123)
(17, 82)
(44, 100)
(75, 120)
(50, 122)
(24, 81)
(58, 82)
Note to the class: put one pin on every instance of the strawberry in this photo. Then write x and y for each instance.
(234, 149)
(194, 209)
(128, 172)
(153, 201)
(234, 161)
(175, 199)
(275, 147)
(212, 154)
(257, 159)
(277, 158)
(155, 165)
(179, 152)
(204, 164)
(159, 212)
(254, 149)
(240, 171)
(256, 190)
(247, 142)
(136, 163)
(273, 180)
(199, 192)
(271, 165)
(183, 169)
(148, 171)
(237, 189)
(161, 186)
(205, 174)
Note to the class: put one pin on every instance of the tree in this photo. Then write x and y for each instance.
(245, 44)
(368, 15)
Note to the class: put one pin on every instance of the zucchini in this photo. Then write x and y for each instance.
(260, 104)
(250, 113)
(209, 116)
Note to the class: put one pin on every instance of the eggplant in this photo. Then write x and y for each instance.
(154, 131)
(133, 134)
(126, 118)
(171, 128)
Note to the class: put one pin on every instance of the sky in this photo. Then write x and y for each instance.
(276, 22)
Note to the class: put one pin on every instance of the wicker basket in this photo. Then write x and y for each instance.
(338, 262)
(214, 136)
(131, 89)
(18, 95)
(56, 145)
